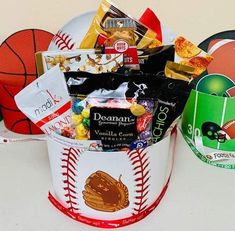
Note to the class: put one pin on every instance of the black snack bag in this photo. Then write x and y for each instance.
(153, 60)
(171, 104)
(162, 98)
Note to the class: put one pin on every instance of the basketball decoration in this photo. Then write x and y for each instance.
(18, 69)
(13, 118)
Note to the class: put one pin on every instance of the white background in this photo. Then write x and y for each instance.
(200, 197)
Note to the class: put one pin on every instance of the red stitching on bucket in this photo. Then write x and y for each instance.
(70, 158)
(140, 161)
(63, 40)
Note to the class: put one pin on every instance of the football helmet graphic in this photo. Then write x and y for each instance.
(214, 132)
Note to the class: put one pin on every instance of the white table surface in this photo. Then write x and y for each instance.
(200, 196)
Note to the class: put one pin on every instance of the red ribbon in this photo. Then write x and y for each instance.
(150, 20)
(108, 223)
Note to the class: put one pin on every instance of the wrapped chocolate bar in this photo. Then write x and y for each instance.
(96, 35)
(124, 111)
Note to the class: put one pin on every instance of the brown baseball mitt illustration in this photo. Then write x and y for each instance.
(104, 193)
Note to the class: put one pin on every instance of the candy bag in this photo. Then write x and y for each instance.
(46, 101)
(96, 36)
(117, 122)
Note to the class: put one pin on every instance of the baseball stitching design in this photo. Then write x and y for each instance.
(140, 161)
(63, 41)
(69, 160)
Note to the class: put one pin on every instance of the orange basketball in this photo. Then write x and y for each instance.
(18, 69)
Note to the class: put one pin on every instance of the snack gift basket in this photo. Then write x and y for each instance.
(108, 189)
(92, 183)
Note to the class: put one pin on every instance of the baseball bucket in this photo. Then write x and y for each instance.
(208, 125)
(108, 189)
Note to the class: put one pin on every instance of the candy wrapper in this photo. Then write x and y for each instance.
(96, 35)
(46, 102)
(125, 111)
(79, 60)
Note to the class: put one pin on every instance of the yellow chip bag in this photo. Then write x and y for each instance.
(96, 35)
(179, 71)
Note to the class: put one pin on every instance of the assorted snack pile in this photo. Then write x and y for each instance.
(127, 87)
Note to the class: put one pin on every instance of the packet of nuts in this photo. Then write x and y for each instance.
(88, 60)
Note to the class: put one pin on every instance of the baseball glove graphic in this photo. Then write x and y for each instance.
(104, 193)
